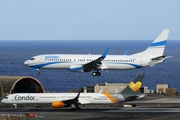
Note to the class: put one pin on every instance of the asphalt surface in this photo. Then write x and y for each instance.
(97, 114)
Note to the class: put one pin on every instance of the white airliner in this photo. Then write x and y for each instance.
(60, 100)
(86, 63)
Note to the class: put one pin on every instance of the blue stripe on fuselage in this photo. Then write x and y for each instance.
(135, 65)
(79, 68)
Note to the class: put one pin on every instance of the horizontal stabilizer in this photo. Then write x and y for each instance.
(127, 52)
(159, 58)
(100, 91)
(168, 57)
(141, 96)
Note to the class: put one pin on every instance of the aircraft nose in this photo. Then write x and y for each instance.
(26, 62)
(2, 101)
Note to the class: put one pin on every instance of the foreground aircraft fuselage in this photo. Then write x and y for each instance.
(59, 100)
(86, 63)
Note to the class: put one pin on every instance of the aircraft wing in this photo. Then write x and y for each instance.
(72, 101)
(95, 63)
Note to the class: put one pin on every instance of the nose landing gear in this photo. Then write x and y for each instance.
(38, 71)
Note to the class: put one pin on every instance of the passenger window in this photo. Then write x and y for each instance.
(32, 58)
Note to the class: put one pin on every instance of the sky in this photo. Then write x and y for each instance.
(88, 19)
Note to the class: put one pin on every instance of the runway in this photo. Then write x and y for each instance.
(151, 108)
(98, 114)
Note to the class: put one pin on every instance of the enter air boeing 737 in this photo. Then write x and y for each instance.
(86, 63)
(73, 100)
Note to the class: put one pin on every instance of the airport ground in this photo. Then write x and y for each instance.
(151, 108)
(100, 114)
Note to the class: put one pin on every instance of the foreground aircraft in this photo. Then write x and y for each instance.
(73, 100)
(86, 63)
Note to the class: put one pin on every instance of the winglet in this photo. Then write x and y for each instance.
(77, 97)
(105, 53)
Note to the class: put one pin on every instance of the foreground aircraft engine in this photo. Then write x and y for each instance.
(58, 104)
(76, 68)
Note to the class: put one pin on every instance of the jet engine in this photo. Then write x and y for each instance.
(58, 104)
(76, 68)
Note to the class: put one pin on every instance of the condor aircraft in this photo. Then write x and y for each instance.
(73, 100)
(153, 55)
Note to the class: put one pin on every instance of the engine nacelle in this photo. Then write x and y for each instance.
(76, 68)
(58, 104)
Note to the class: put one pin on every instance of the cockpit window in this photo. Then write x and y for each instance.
(5, 97)
(32, 58)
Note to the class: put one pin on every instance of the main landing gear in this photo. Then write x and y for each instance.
(75, 107)
(96, 73)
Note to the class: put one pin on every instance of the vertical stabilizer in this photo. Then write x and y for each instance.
(157, 47)
(133, 88)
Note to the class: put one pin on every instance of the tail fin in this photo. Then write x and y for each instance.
(133, 88)
(157, 47)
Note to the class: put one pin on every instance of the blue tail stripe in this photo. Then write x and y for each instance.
(159, 43)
